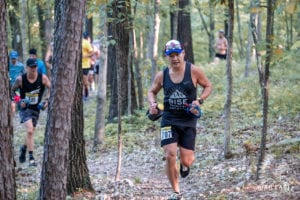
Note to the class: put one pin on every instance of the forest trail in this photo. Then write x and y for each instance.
(211, 177)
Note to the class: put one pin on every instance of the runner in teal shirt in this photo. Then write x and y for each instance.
(16, 68)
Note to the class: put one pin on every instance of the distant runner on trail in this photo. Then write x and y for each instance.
(31, 85)
(178, 127)
(40, 64)
(220, 47)
(16, 69)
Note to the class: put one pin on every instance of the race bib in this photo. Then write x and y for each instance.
(166, 133)
(33, 98)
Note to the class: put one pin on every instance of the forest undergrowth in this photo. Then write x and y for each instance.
(212, 176)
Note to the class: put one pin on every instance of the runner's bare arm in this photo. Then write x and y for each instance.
(17, 84)
(47, 84)
(155, 88)
(200, 79)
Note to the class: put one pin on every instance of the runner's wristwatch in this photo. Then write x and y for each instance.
(201, 101)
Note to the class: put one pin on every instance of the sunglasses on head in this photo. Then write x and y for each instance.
(173, 46)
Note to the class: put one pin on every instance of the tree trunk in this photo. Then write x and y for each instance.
(256, 35)
(29, 19)
(227, 151)
(121, 29)
(42, 28)
(15, 27)
(249, 51)
(174, 19)
(185, 30)
(122, 10)
(111, 64)
(150, 33)
(154, 42)
(210, 30)
(99, 134)
(138, 76)
(23, 30)
(240, 35)
(69, 17)
(7, 169)
(287, 30)
(130, 77)
(269, 45)
(258, 22)
(78, 172)
(89, 26)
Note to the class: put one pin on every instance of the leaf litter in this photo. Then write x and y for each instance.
(211, 176)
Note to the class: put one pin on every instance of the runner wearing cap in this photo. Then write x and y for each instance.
(31, 85)
(178, 128)
(16, 69)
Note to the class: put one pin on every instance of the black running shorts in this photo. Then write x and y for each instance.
(28, 114)
(221, 56)
(183, 136)
(85, 71)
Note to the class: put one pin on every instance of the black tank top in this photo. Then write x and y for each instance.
(175, 96)
(32, 91)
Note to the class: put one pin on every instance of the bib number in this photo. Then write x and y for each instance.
(33, 98)
(166, 133)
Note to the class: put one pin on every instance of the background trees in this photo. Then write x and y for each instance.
(131, 28)
(7, 170)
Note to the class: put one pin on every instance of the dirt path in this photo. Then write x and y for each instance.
(211, 177)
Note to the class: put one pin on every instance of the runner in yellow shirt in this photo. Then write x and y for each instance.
(87, 53)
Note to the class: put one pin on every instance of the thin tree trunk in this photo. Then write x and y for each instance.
(15, 27)
(269, 45)
(174, 18)
(212, 30)
(249, 51)
(120, 136)
(240, 35)
(259, 23)
(23, 30)
(130, 77)
(136, 63)
(227, 150)
(291, 30)
(255, 36)
(209, 32)
(7, 169)
(142, 56)
(29, 17)
(287, 30)
(138, 75)
(42, 28)
(99, 135)
(185, 30)
(112, 64)
(154, 42)
(150, 33)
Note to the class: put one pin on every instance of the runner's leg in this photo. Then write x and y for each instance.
(171, 167)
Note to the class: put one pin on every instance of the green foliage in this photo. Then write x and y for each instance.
(31, 193)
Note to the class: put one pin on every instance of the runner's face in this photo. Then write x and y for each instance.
(176, 59)
(13, 61)
(32, 69)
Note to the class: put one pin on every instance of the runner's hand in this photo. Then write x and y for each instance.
(153, 108)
